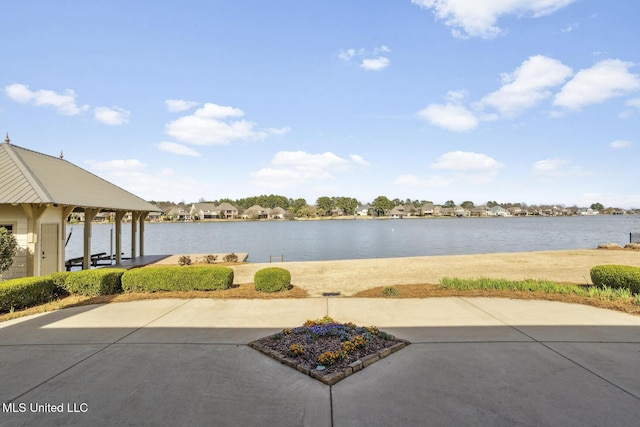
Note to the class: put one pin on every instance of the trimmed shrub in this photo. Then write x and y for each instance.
(272, 279)
(59, 279)
(230, 257)
(26, 292)
(197, 278)
(617, 276)
(101, 281)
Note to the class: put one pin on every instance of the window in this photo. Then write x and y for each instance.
(9, 227)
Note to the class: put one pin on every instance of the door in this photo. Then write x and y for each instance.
(49, 249)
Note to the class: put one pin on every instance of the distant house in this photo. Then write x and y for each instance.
(411, 210)
(255, 212)
(587, 211)
(516, 211)
(498, 210)
(203, 211)
(363, 210)
(179, 214)
(480, 211)
(277, 213)
(398, 212)
(447, 212)
(226, 211)
(428, 209)
(337, 211)
(461, 212)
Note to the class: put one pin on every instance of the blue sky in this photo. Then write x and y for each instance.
(534, 101)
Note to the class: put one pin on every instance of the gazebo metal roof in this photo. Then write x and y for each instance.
(27, 176)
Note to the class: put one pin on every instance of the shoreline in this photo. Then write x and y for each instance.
(348, 277)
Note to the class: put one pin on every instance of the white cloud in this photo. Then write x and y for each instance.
(132, 175)
(570, 28)
(293, 168)
(63, 103)
(213, 124)
(549, 167)
(475, 18)
(346, 55)
(175, 105)
(117, 166)
(467, 161)
(375, 64)
(278, 131)
(112, 116)
(450, 116)
(458, 168)
(620, 143)
(634, 108)
(527, 85)
(557, 168)
(215, 111)
(183, 150)
(368, 63)
(358, 160)
(605, 80)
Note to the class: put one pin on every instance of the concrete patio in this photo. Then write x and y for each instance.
(472, 361)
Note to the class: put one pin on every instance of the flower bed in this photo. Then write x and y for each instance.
(327, 350)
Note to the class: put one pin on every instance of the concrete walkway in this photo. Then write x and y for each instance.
(472, 361)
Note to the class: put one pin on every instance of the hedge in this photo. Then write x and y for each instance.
(617, 276)
(101, 281)
(26, 292)
(197, 278)
(272, 279)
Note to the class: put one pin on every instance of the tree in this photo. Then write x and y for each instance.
(467, 204)
(347, 204)
(8, 249)
(382, 204)
(449, 204)
(324, 205)
(296, 206)
(597, 207)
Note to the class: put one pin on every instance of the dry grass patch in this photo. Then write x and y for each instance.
(428, 290)
(241, 291)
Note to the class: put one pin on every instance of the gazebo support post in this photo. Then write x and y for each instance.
(142, 217)
(119, 217)
(89, 215)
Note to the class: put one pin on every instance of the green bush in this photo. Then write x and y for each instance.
(8, 249)
(390, 291)
(197, 278)
(617, 276)
(26, 292)
(272, 279)
(101, 281)
(59, 279)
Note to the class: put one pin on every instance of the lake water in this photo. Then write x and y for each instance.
(357, 239)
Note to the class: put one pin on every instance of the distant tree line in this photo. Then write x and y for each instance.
(326, 205)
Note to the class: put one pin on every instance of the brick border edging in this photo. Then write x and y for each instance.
(331, 379)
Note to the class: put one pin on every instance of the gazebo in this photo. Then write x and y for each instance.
(38, 192)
